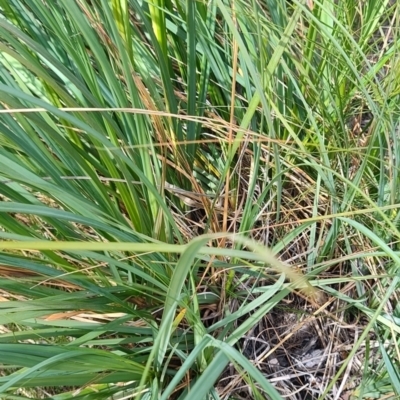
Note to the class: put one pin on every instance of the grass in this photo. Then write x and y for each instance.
(199, 199)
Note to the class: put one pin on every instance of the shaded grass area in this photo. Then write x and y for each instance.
(199, 200)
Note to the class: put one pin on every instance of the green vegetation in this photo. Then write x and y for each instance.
(198, 195)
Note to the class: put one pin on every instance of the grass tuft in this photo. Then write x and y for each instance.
(199, 199)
